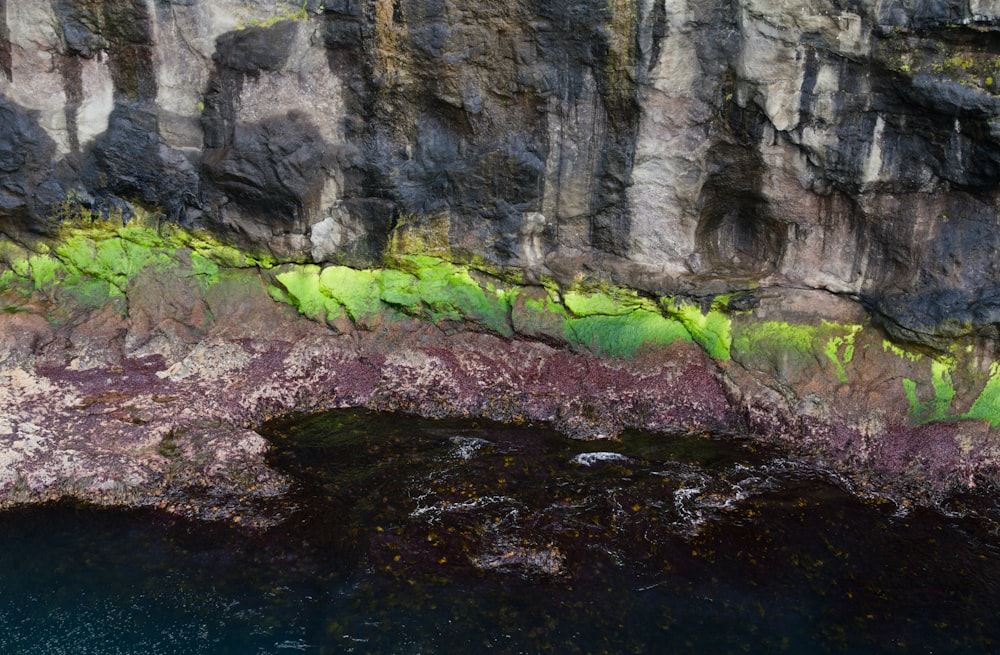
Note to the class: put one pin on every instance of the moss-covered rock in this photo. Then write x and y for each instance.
(90, 263)
(93, 263)
(791, 350)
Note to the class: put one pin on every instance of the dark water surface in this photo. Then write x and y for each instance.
(415, 536)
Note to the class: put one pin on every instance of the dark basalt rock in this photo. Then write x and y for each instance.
(131, 160)
(268, 168)
(847, 145)
(28, 185)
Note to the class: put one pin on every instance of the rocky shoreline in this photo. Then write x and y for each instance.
(146, 391)
(771, 220)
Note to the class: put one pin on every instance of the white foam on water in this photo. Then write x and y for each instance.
(589, 459)
(293, 645)
(435, 510)
(467, 447)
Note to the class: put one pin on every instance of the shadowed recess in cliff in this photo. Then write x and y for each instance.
(737, 231)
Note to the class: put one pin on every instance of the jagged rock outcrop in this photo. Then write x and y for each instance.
(820, 178)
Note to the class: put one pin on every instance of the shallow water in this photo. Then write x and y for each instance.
(415, 536)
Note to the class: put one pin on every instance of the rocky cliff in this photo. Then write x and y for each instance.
(804, 193)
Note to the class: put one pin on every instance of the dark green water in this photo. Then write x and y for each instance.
(411, 536)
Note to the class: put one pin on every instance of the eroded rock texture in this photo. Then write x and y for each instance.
(669, 145)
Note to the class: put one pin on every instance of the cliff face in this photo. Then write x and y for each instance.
(694, 147)
(805, 192)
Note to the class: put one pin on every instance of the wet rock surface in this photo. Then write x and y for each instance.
(141, 381)
(156, 404)
(725, 216)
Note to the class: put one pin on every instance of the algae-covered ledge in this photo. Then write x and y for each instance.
(90, 264)
(125, 322)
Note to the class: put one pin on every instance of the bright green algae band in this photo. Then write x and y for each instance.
(91, 264)
(790, 350)
(608, 321)
(423, 287)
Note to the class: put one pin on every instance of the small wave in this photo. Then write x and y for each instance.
(589, 459)
(546, 560)
(467, 447)
(441, 507)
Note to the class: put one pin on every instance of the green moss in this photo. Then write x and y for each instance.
(357, 291)
(110, 258)
(797, 347)
(9, 280)
(937, 403)
(626, 334)
(205, 270)
(936, 408)
(839, 348)
(910, 389)
(399, 289)
(987, 406)
(959, 63)
(615, 323)
(21, 267)
(775, 340)
(301, 284)
(448, 290)
(292, 13)
(888, 346)
(548, 305)
(421, 236)
(435, 290)
(45, 271)
(606, 320)
(942, 389)
(711, 330)
(544, 318)
(595, 303)
(92, 262)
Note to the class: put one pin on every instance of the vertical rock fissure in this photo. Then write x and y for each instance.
(6, 66)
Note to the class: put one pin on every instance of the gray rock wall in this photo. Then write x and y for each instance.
(677, 146)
